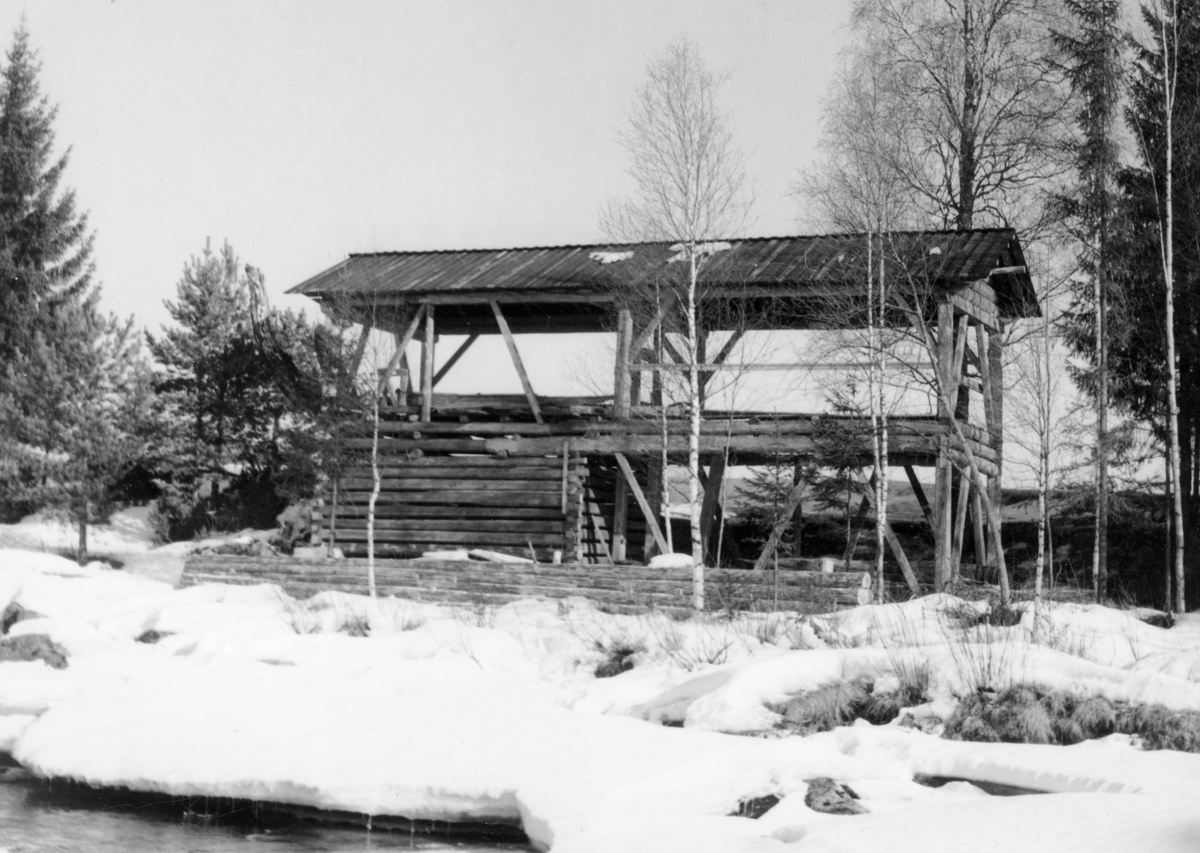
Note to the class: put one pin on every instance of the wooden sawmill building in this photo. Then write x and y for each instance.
(578, 479)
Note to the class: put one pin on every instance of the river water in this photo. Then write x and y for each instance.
(37, 818)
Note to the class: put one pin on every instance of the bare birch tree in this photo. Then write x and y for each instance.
(689, 192)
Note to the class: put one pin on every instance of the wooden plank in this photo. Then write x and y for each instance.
(401, 345)
(515, 354)
(648, 513)
(453, 359)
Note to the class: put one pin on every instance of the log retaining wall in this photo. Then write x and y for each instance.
(622, 588)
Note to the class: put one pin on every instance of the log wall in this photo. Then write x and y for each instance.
(446, 502)
(621, 588)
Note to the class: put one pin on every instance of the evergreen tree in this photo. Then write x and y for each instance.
(45, 247)
(1137, 359)
(83, 416)
(232, 415)
(1095, 69)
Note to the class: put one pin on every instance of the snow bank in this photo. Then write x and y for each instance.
(495, 713)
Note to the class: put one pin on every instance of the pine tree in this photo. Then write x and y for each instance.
(230, 411)
(45, 246)
(84, 414)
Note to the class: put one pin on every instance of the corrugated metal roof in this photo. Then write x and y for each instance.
(795, 261)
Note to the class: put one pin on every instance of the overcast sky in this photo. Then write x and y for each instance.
(303, 131)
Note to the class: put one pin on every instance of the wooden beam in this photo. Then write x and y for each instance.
(620, 528)
(856, 527)
(711, 501)
(893, 542)
(650, 514)
(960, 523)
(621, 379)
(427, 366)
(944, 470)
(643, 337)
(919, 494)
(981, 553)
(402, 343)
(516, 359)
(728, 346)
(960, 347)
(669, 349)
(453, 360)
(793, 501)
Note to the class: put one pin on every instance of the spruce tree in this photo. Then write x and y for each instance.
(1095, 68)
(84, 415)
(45, 246)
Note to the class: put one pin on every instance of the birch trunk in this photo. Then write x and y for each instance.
(1169, 276)
(375, 485)
(694, 433)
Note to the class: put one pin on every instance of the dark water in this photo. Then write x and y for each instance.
(57, 818)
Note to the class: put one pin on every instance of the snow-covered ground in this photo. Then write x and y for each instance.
(476, 712)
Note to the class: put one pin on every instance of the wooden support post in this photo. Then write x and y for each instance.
(991, 412)
(960, 401)
(621, 381)
(405, 375)
(860, 521)
(960, 523)
(515, 354)
(453, 360)
(650, 514)
(981, 552)
(712, 500)
(427, 366)
(893, 541)
(402, 343)
(797, 513)
(995, 355)
(941, 497)
(620, 527)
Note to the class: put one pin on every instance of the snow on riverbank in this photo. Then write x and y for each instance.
(488, 713)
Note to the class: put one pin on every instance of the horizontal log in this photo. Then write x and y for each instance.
(481, 460)
(416, 511)
(551, 473)
(483, 526)
(391, 484)
(477, 497)
(472, 539)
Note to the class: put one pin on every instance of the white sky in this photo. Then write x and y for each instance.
(302, 131)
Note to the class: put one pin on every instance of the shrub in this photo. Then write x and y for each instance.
(826, 708)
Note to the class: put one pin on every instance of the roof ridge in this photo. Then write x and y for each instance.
(613, 245)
